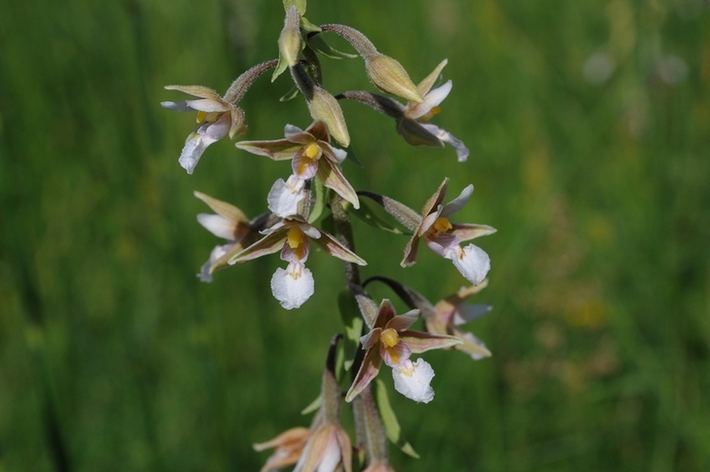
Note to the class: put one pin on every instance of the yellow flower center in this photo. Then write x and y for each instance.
(389, 337)
(309, 155)
(297, 240)
(441, 225)
(211, 117)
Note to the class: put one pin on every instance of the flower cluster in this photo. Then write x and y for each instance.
(314, 203)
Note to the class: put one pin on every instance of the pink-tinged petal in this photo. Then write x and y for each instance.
(330, 175)
(370, 339)
(462, 151)
(269, 244)
(436, 199)
(419, 341)
(466, 232)
(431, 100)
(473, 263)
(385, 313)
(368, 370)
(225, 209)
(177, 106)
(319, 131)
(334, 248)
(395, 355)
(195, 90)
(331, 455)
(304, 167)
(428, 221)
(217, 253)
(445, 245)
(345, 449)
(293, 286)
(208, 105)
(218, 225)
(284, 197)
(278, 150)
(414, 381)
(425, 85)
(403, 321)
(294, 255)
(457, 203)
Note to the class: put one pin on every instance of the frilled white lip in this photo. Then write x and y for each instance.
(292, 286)
(413, 380)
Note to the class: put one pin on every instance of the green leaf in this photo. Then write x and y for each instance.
(319, 205)
(392, 429)
(350, 314)
(308, 26)
(314, 405)
(279, 69)
(299, 4)
(293, 93)
(318, 44)
(366, 214)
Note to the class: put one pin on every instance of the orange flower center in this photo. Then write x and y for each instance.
(297, 240)
(390, 339)
(441, 225)
(310, 154)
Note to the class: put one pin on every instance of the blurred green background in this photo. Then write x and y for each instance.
(589, 129)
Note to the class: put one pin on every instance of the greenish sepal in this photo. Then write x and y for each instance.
(280, 68)
(318, 44)
(313, 406)
(392, 429)
(309, 27)
(290, 95)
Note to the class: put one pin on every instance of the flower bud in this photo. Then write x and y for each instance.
(290, 39)
(324, 107)
(389, 76)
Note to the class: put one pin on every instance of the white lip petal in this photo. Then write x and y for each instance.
(192, 151)
(413, 380)
(284, 197)
(472, 262)
(292, 287)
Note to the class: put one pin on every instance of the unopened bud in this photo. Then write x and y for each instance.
(389, 76)
(290, 39)
(324, 107)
